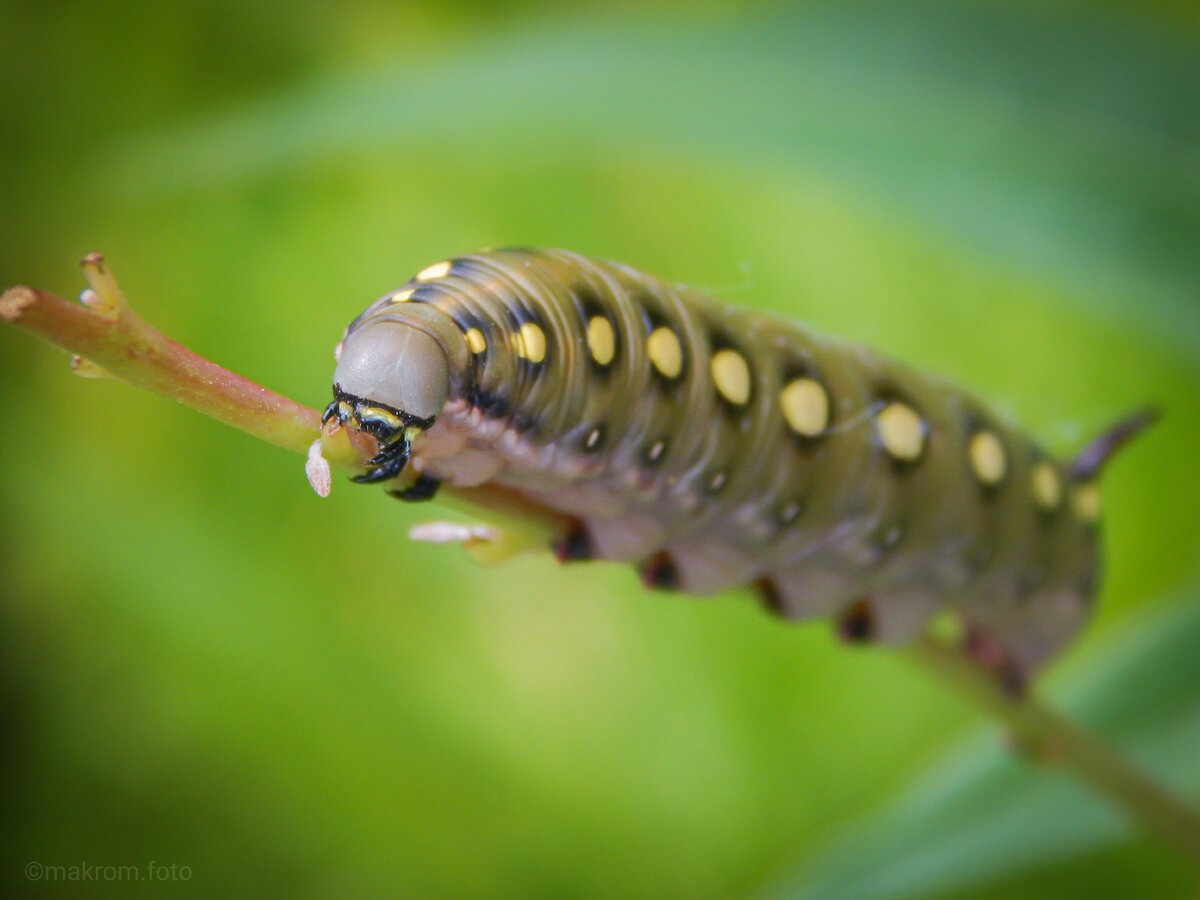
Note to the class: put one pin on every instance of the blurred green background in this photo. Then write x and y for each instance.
(203, 664)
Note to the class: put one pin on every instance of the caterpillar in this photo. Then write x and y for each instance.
(717, 447)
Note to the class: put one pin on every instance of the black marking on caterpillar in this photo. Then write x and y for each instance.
(574, 547)
(857, 624)
(819, 472)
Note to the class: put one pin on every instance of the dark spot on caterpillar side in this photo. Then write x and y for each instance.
(655, 452)
(857, 624)
(523, 423)
(888, 538)
(593, 441)
(491, 405)
(1027, 583)
(575, 547)
(495, 406)
(717, 482)
(659, 572)
(790, 512)
(978, 557)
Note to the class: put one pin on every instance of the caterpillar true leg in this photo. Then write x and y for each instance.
(419, 491)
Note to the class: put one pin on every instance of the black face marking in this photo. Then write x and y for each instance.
(659, 573)
(857, 624)
(420, 490)
(394, 448)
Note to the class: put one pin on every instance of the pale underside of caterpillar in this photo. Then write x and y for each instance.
(717, 447)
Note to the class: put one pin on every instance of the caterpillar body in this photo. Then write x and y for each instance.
(716, 447)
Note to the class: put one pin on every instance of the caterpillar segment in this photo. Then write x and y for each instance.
(715, 447)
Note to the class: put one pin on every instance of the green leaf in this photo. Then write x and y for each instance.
(1065, 143)
(979, 813)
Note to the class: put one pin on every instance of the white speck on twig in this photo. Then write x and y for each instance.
(316, 468)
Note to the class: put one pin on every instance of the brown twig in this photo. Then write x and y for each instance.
(108, 339)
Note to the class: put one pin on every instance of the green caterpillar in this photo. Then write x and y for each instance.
(717, 447)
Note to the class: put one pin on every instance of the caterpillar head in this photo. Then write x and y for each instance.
(391, 381)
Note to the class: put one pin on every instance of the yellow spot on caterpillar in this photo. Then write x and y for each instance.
(437, 270)
(475, 340)
(1047, 486)
(805, 406)
(665, 352)
(901, 430)
(988, 459)
(1086, 501)
(402, 296)
(601, 340)
(531, 342)
(731, 375)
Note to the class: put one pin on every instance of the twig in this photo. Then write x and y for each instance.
(110, 340)
(1045, 736)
